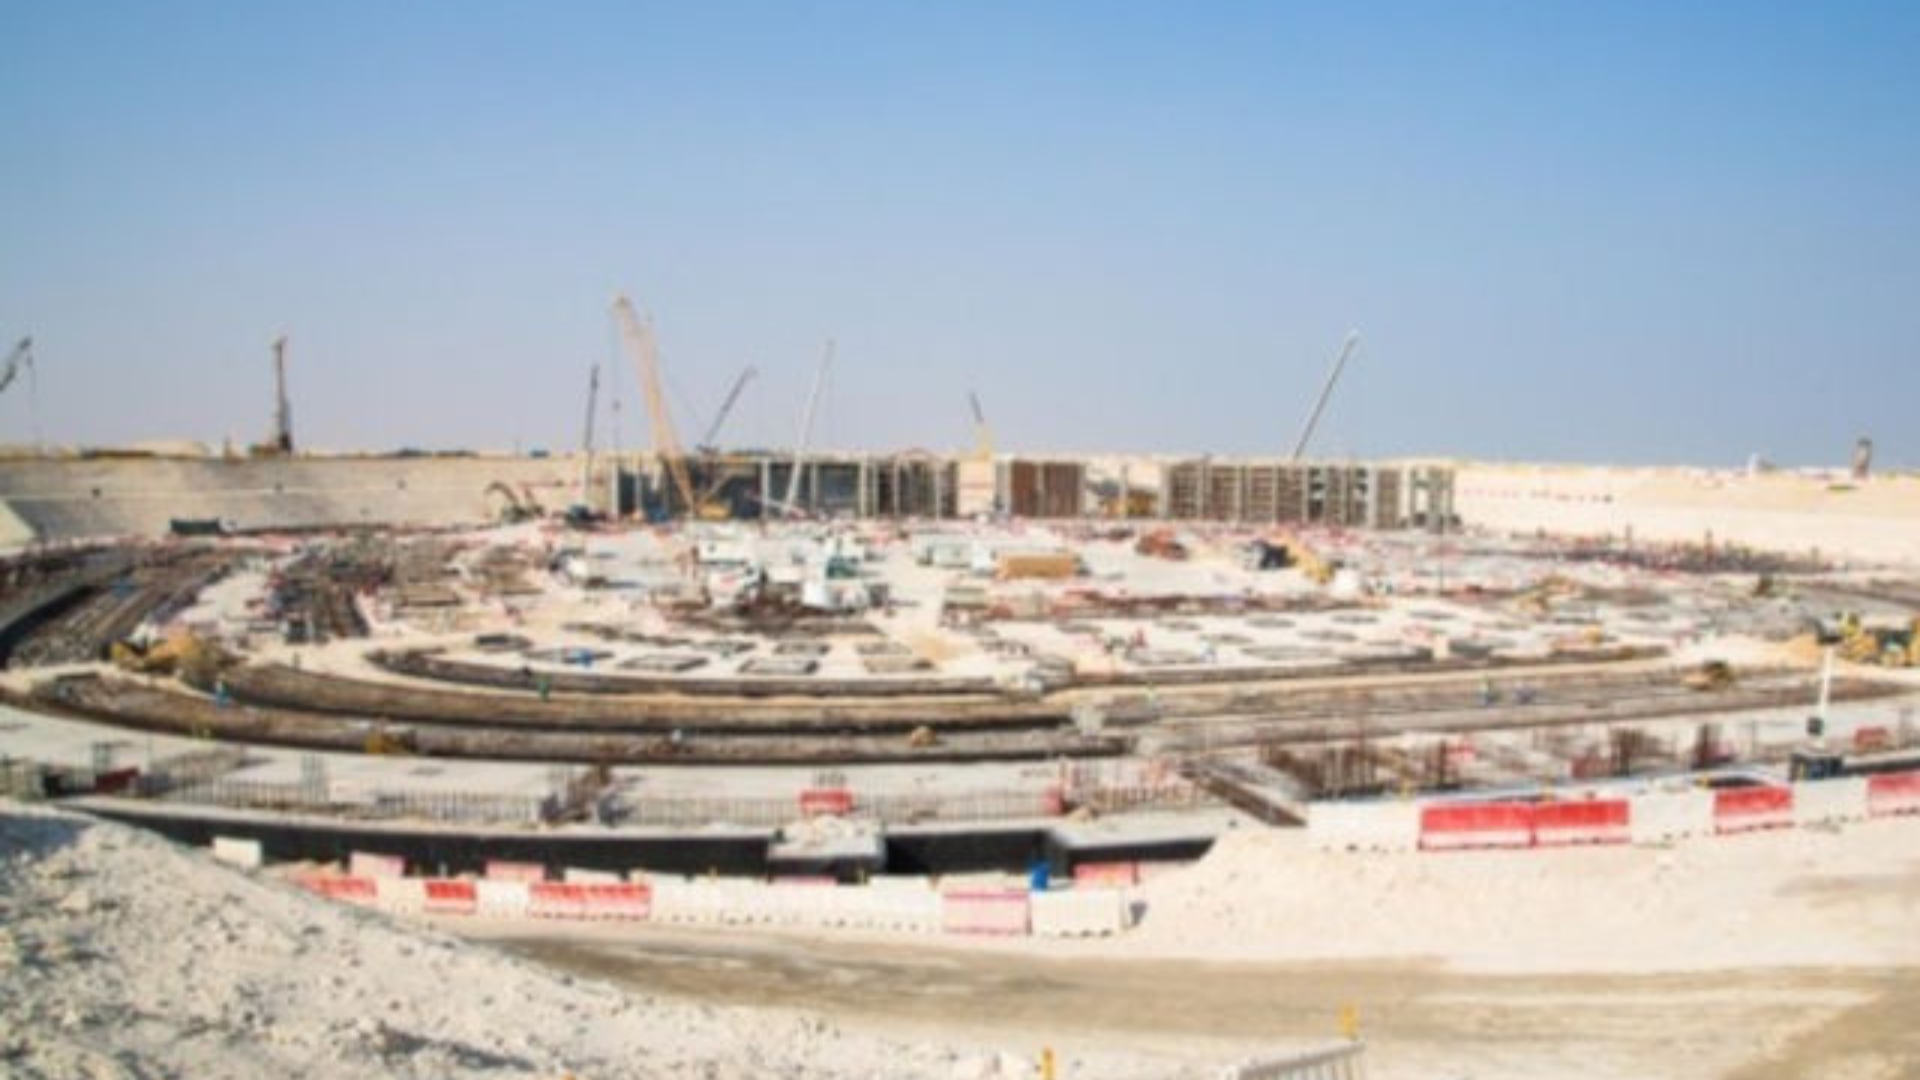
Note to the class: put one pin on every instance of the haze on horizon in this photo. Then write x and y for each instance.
(1623, 232)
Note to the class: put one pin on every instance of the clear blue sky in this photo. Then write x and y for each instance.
(1611, 232)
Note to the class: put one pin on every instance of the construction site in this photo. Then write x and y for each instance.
(746, 706)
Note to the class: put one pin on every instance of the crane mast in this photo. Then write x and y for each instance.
(282, 409)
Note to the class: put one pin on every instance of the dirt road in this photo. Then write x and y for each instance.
(1421, 1021)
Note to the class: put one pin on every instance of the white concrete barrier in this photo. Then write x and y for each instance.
(1821, 802)
(400, 895)
(501, 899)
(1078, 912)
(1364, 826)
(576, 876)
(1660, 817)
(244, 854)
(368, 864)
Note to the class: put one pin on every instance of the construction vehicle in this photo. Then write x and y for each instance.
(581, 512)
(280, 442)
(1285, 550)
(1711, 675)
(182, 654)
(1896, 647)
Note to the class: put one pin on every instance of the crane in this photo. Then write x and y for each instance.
(282, 409)
(19, 360)
(706, 443)
(586, 438)
(637, 337)
(982, 434)
(1339, 364)
(806, 430)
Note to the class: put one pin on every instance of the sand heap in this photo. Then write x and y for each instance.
(1794, 897)
(122, 955)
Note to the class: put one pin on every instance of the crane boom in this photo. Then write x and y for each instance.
(1313, 418)
(726, 407)
(806, 428)
(982, 434)
(21, 359)
(637, 337)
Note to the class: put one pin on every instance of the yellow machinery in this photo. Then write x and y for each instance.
(1861, 644)
(637, 337)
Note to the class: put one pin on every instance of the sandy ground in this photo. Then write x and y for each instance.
(1784, 953)
(123, 956)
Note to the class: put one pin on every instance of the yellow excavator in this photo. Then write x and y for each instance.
(1887, 647)
(174, 654)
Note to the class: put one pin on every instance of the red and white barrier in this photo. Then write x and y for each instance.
(447, 896)
(401, 895)
(575, 875)
(501, 899)
(498, 870)
(1587, 821)
(1745, 809)
(348, 890)
(616, 901)
(1078, 912)
(1665, 816)
(1363, 826)
(984, 911)
(1826, 802)
(826, 802)
(1457, 826)
(1893, 793)
(1107, 874)
(369, 865)
(556, 900)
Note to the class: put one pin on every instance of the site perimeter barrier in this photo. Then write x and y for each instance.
(556, 900)
(1078, 912)
(985, 911)
(1661, 817)
(1586, 821)
(445, 896)
(1822, 802)
(350, 890)
(1748, 808)
(502, 870)
(1893, 793)
(1359, 826)
(244, 854)
(502, 899)
(1458, 826)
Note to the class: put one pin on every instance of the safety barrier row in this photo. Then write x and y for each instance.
(1649, 818)
(893, 904)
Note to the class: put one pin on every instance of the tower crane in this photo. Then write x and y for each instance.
(1313, 418)
(706, 443)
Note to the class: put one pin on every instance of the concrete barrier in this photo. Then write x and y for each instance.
(1745, 809)
(347, 890)
(1584, 821)
(576, 876)
(1665, 816)
(984, 911)
(617, 900)
(400, 895)
(244, 854)
(1457, 826)
(1893, 793)
(501, 899)
(1363, 826)
(1078, 912)
(500, 870)
(1821, 802)
(447, 896)
(1118, 875)
(556, 900)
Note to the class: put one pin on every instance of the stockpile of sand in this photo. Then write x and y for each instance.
(1792, 897)
(124, 956)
